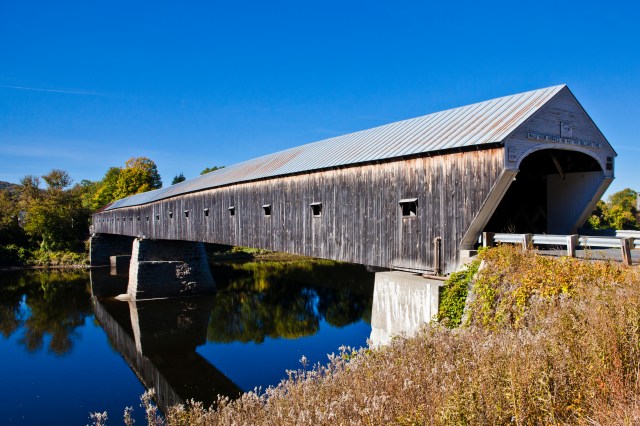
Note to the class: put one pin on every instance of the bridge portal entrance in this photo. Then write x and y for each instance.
(549, 194)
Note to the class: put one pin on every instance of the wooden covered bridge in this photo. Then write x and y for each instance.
(412, 195)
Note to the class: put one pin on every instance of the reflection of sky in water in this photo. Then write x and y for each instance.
(61, 365)
(43, 388)
(265, 363)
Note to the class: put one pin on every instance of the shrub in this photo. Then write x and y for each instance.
(453, 295)
(549, 341)
(12, 255)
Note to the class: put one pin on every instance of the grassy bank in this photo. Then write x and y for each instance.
(545, 341)
(13, 256)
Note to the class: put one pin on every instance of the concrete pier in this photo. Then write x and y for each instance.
(402, 302)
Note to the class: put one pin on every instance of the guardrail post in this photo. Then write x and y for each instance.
(572, 243)
(527, 239)
(625, 246)
(488, 239)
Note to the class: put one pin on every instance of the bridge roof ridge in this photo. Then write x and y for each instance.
(479, 123)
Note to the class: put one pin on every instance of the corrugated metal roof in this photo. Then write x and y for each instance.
(476, 124)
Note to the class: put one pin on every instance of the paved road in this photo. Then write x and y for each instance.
(596, 254)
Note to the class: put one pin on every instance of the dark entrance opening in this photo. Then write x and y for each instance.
(525, 206)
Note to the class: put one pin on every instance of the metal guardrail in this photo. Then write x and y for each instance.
(624, 240)
(608, 242)
(630, 234)
(612, 234)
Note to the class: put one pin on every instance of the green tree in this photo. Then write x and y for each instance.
(211, 169)
(619, 212)
(87, 190)
(57, 179)
(10, 230)
(55, 218)
(106, 189)
(139, 175)
(178, 178)
(29, 188)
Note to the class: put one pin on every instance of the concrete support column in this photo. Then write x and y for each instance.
(103, 246)
(163, 268)
(402, 302)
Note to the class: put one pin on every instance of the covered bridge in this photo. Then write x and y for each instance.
(409, 195)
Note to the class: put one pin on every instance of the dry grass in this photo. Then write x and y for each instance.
(548, 342)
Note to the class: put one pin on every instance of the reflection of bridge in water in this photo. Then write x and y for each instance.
(158, 339)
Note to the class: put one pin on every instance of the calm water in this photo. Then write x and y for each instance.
(65, 354)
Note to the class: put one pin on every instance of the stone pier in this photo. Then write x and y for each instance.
(164, 268)
(103, 246)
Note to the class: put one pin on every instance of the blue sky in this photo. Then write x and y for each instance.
(86, 85)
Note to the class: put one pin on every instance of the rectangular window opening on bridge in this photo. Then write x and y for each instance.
(609, 165)
(130, 218)
(232, 210)
(206, 212)
(138, 218)
(124, 218)
(170, 215)
(186, 214)
(267, 209)
(147, 217)
(316, 209)
(409, 207)
(157, 217)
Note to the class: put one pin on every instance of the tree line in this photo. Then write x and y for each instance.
(47, 225)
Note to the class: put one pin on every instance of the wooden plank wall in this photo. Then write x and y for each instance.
(361, 219)
(564, 107)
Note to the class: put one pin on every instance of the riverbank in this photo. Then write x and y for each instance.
(14, 258)
(21, 259)
(545, 341)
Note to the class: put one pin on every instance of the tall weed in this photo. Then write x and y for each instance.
(549, 341)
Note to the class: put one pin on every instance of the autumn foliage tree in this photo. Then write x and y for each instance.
(140, 174)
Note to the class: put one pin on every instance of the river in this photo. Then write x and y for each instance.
(66, 354)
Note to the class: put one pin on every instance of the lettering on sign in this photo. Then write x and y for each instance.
(560, 139)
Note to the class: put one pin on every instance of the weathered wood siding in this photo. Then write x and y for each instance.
(361, 219)
(564, 107)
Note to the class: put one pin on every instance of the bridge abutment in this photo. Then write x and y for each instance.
(163, 268)
(402, 302)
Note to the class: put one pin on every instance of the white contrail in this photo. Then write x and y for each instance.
(35, 89)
